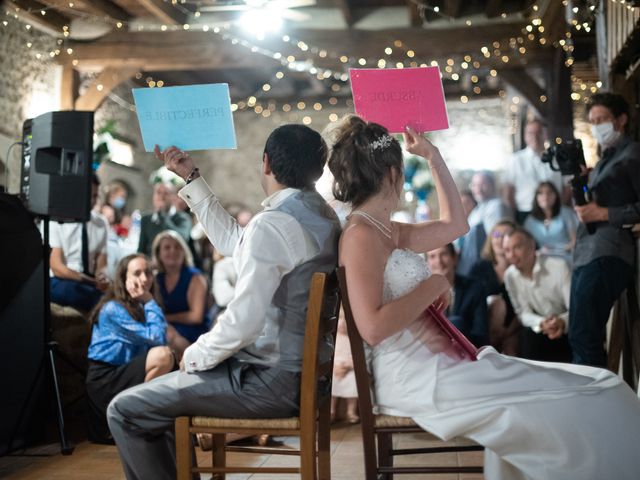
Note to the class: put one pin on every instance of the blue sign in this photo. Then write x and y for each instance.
(193, 117)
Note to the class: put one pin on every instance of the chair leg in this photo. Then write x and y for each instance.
(219, 454)
(184, 458)
(324, 441)
(308, 461)
(385, 459)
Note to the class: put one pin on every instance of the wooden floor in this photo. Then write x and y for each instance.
(100, 462)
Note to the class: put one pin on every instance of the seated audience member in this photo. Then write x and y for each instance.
(488, 211)
(524, 172)
(182, 289)
(165, 216)
(503, 324)
(240, 212)
(468, 306)
(224, 281)
(116, 195)
(128, 334)
(552, 225)
(224, 271)
(468, 202)
(539, 288)
(343, 385)
(79, 258)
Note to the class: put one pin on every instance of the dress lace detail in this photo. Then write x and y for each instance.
(404, 271)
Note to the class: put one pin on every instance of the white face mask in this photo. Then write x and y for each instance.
(605, 134)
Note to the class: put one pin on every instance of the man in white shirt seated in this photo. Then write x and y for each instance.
(539, 288)
(525, 171)
(249, 364)
(78, 267)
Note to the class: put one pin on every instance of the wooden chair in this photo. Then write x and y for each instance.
(313, 423)
(379, 465)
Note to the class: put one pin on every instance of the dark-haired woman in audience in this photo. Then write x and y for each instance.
(552, 224)
(503, 324)
(182, 290)
(127, 341)
(537, 420)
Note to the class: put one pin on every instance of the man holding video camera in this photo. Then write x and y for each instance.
(605, 248)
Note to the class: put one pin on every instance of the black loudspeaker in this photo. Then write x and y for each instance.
(22, 330)
(57, 156)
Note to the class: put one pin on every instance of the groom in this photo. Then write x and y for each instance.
(248, 365)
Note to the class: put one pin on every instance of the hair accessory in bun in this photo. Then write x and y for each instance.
(381, 143)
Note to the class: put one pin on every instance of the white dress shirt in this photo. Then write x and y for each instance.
(542, 296)
(489, 212)
(68, 237)
(525, 171)
(271, 245)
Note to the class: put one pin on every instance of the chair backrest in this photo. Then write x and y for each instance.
(363, 378)
(322, 321)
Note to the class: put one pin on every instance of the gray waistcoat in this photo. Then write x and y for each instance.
(281, 342)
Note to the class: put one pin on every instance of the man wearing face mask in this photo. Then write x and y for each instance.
(603, 260)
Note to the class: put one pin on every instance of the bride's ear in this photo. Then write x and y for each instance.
(396, 178)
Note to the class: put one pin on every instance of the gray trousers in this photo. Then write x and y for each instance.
(141, 419)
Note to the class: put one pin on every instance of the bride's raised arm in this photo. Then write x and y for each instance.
(425, 236)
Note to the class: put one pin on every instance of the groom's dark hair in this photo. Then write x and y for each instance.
(297, 155)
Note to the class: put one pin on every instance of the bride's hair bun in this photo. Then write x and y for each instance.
(362, 155)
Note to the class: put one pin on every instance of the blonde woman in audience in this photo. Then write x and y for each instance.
(182, 289)
(503, 323)
(537, 420)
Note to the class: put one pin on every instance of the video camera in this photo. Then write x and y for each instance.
(568, 158)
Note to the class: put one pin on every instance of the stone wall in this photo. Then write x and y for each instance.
(29, 85)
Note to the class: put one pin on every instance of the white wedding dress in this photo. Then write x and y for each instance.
(537, 420)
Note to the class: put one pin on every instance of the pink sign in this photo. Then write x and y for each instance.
(396, 98)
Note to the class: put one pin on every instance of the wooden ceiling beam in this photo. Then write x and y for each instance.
(554, 20)
(102, 85)
(69, 87)
(426, 43)
(110, 9)
(165, 12)
(347, 11)
(193, 50)
(453, 8)
(520, 80)
(29, 11)
(415, 14)
(99, 8)
(494, 8)
(163, 51)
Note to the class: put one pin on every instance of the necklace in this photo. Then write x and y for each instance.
(382, 228)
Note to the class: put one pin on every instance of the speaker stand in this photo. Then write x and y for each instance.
(50, 345)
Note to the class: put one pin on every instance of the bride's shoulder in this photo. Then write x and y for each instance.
(358, 231)
(359, 242)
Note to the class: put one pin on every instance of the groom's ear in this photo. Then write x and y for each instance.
(266, 165)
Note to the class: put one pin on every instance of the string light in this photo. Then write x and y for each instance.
(309, 67)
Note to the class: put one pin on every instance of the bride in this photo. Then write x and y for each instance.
(537, 420)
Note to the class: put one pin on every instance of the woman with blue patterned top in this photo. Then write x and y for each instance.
(127, 341)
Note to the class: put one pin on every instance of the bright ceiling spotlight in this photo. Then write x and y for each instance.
(260, 21)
